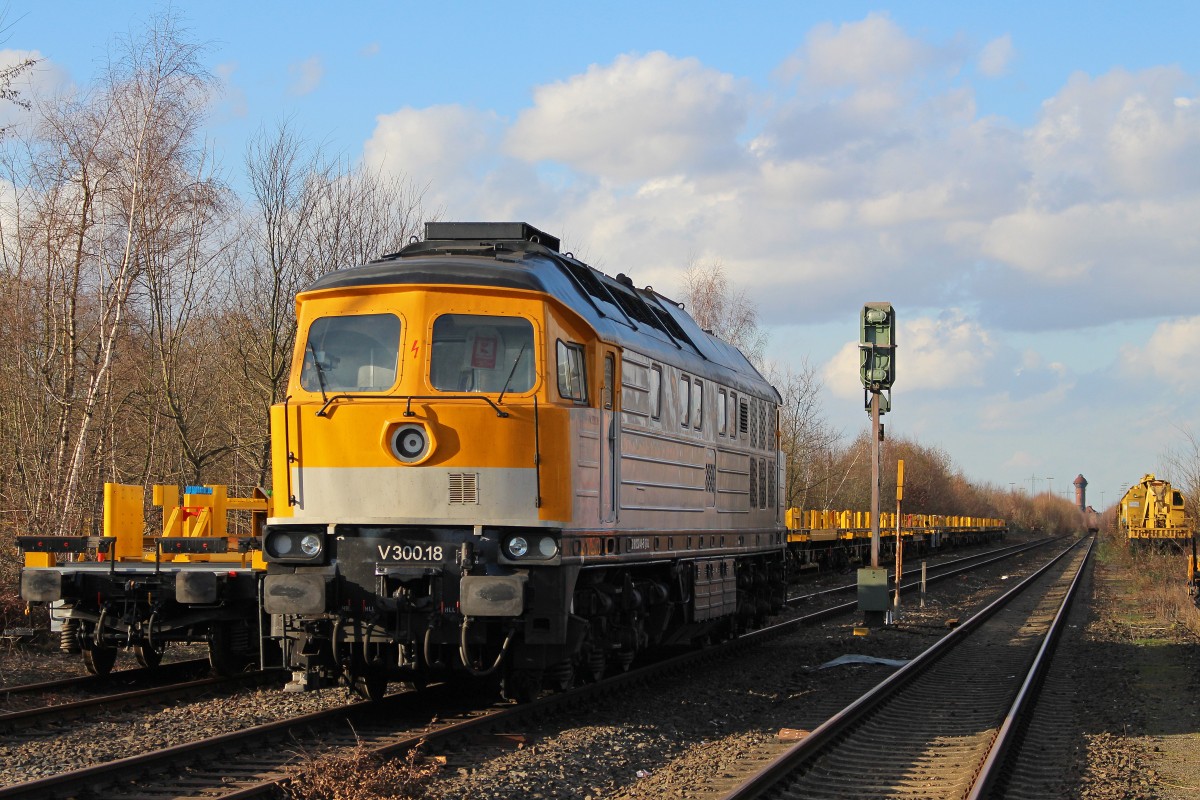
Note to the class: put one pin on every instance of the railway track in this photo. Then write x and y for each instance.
(140, 676)
(249, 763)
(942, 726)
(933, 571)
(53, 709)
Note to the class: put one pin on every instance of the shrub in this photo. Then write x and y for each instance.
(361, 775)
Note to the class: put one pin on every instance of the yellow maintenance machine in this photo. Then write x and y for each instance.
(1152, 512)
(196, 581)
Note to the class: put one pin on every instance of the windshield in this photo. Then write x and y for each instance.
(476, 353)
(351, 354)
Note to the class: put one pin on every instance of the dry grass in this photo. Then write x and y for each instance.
(361, 775)
(1156, 600)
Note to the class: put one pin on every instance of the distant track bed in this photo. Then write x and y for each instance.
(918, 736)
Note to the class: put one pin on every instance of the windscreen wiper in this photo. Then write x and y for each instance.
(320, 371)
(511, 372)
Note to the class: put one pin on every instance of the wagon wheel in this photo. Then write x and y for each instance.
(370, 684)
(149, 655)
(99, 660)
(224, 657)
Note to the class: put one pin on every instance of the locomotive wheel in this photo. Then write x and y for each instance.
(597, 664)
(149, 655)
(99, 660)
(521, 685)
(561, 676)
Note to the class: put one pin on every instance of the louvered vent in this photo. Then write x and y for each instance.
(753, 483)
(464, 488)
(762, 483)
(773, 481)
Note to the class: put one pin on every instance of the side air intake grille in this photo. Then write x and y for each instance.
(464, 488)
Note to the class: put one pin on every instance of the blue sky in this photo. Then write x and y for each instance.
(1021, 181)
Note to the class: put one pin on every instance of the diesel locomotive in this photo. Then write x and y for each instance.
(496, 460)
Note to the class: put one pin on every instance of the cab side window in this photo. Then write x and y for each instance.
(572, 377)
(722, 414)
(685, 400)
(655, 391)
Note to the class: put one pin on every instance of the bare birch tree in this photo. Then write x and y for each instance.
(310, 216)
(141, 125)
(185, 260)
(723, 310)
(1181, 463)
(807, 440)
(93, 184)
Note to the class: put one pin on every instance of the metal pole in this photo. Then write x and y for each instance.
(899, 542)
(922, 584)
(875, 480)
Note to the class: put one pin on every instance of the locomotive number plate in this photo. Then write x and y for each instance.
(412, 553)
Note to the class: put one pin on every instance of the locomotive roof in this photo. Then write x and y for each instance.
(518, 256)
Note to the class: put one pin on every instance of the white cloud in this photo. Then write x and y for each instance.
(932, 355)
(1090, 263)
(997, 56)
(306, 75)
(442, 147)
(949, 351)
(875, 49)
(641, 117)
(1116, 134)
(871, 174)
(45, 78)
(876, 172)
(1167, 359)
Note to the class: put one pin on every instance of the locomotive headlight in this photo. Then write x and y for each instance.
(517, 546)
(411, 443)
(303, 546)
(531, 546)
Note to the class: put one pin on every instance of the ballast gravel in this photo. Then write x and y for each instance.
(681, 737)
(44, 750)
